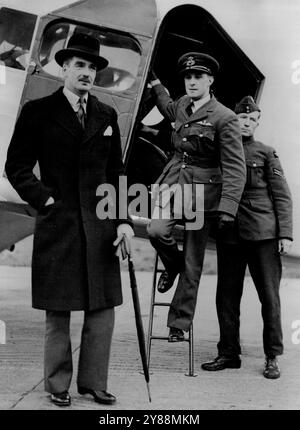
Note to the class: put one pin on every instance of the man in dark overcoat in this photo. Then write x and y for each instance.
(263, 231)
(208, 153)
(76, 141)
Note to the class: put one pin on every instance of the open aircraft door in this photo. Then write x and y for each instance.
(183, 29)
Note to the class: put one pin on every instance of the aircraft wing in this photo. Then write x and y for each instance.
(17, 221)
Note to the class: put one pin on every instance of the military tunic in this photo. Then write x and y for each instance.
(265, 210)
(208, 150)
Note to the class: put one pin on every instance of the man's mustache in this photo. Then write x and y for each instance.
(87, 80)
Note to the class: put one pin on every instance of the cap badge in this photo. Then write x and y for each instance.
(190, 61)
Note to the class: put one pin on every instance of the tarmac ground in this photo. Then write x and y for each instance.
(21, 353)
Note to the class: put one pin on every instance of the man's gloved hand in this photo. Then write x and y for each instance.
(124, 235)
(284, 246)
(225, 222)
(152, 75)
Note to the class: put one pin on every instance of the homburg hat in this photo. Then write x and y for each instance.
(84, 46)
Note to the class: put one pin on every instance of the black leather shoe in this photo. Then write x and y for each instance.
(222, 362)
(61, 399)
(271, 370)
(99, 396)
(176, 335)
(166, 281)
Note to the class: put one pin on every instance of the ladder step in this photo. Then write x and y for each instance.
(150, 337)
(159, 337)
(166, 338)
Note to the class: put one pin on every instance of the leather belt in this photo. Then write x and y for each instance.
(256, 192)
(195, 161)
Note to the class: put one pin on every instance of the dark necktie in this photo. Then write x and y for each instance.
(189, 109)
(81, 113)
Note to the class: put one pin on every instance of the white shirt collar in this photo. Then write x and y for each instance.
(73, 99)
(199, 103)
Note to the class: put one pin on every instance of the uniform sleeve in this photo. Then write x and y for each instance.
(21, 159)
(233, 166)
(165, 104)
(281, 195)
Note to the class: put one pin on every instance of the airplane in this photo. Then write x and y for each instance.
(256, 43)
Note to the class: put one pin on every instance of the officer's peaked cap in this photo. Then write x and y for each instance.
(199, 62)
(246, 105)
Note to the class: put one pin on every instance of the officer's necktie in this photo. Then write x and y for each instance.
(189, 109)
(81, 112)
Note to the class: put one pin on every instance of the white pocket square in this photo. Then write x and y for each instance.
(108, 131)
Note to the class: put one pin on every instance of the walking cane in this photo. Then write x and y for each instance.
(124, 249)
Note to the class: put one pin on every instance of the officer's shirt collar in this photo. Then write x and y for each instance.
(73, 99)
(197, 104)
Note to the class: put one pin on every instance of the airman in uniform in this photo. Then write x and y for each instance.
(207, 151)
(263, 231)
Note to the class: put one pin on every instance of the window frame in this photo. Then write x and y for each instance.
(100, 30)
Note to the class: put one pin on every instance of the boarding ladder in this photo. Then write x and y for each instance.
(151, 337)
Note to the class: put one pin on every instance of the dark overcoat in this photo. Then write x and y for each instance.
(265, 211)
(73, 264)
(208, 150)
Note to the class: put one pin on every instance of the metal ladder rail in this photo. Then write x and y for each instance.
(150, 336)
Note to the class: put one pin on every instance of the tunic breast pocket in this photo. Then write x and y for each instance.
(255, 173)
(204, 136)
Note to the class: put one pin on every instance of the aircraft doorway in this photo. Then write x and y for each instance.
(187, 28)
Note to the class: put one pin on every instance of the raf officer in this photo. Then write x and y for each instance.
(75, 139)
(207, 151)
(262, 232)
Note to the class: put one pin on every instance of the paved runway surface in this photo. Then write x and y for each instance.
(21, 357)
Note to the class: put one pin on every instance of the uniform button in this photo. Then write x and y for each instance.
(186, 125)
(210, 180)
(184, 139)
(201, 135)
(184, 153)
(254, 164)
(183, 166)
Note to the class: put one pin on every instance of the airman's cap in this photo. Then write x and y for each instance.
(246, 105)
(198, 61)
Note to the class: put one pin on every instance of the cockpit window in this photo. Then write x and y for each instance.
(16, 30)
(121, 50)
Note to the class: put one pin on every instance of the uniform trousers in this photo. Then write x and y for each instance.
(263, 260)
(188, 263)
(94, 354)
